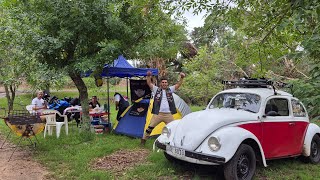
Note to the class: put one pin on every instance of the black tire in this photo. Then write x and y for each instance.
(242, 165)
(314, 157)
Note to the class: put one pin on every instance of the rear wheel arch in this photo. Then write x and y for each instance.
(312, 130)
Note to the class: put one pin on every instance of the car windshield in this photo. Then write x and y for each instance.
(240, 101)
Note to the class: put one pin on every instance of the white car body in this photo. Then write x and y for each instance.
(188, 139)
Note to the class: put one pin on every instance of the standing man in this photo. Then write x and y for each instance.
(163, 104)
(39, 103)
(121, 104)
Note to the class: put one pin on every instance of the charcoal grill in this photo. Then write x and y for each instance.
(23, 124)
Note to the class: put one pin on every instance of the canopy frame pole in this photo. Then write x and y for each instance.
(108, 96)
(127, 87)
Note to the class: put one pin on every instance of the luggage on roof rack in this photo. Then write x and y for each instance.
(249, 83)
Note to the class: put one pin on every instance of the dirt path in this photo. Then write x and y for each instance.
(21, 166)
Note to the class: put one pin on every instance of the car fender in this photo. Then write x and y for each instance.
(311, 131)
(230, 140)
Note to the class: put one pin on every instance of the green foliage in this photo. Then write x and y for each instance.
(71, 37)
(202, 74)
(115, 81)
(13, 60)
(309, 92)
(44, 77)
(278, 39)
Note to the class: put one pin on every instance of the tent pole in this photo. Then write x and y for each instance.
(108, 100)
(127, 87)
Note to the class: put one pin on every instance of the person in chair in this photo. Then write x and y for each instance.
(94, 102)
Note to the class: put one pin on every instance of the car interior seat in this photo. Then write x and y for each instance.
(271, 107)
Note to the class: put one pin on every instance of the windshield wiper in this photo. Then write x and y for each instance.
(249, 110)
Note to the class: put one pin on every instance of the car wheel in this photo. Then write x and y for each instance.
(242, 165)
(314, 157)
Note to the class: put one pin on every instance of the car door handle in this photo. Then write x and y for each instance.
(292, 124)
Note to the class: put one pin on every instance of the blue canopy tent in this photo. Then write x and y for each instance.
(123, 69)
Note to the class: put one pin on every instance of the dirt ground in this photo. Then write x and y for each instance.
(121, 161)
(21, 166)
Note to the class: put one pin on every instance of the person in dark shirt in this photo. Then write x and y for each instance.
(121, 104)
(94, 103)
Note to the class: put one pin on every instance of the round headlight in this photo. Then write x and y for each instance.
(166, 132)
(214, 143)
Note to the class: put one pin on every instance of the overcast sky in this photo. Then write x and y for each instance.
(194, 20)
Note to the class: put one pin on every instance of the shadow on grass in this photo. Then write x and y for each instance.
(196, 171)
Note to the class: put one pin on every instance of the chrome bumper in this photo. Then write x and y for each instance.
(196, 155)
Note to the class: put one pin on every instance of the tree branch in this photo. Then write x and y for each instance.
(240, 69)
(284, 77)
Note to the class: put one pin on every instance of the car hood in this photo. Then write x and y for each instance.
(194, 128)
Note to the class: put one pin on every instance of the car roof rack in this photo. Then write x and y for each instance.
(257, 83)
(250, 83)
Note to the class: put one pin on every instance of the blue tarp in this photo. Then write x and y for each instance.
(121, 62)
(132, 125)
(122, 68)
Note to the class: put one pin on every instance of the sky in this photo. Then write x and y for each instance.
(194, 20)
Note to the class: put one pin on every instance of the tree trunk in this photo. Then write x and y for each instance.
(83, 92)
(10, 95)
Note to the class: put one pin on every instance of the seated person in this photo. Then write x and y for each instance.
(121, 104)
(39, 103)
(94, 103)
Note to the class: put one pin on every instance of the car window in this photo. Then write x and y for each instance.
(240, 101)
(277, 107)
(297, 109)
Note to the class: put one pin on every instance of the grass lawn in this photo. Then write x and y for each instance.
(71, 157)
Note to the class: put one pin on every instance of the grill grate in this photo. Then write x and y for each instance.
(22, 118)
(22, 123)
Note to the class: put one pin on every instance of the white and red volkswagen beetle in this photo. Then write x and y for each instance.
(240, 126)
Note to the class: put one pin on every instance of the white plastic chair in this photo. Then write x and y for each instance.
(30, 109)
(51, 122)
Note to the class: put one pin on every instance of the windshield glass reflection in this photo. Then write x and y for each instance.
(244, 101)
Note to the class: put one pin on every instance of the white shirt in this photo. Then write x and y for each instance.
(164, 106)
(117, 98)
(38, 103)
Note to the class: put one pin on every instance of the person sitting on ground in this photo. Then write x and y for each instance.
(39, 103)
(94, 103)
(121, 104)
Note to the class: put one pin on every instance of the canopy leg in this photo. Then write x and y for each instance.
(127, 87)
